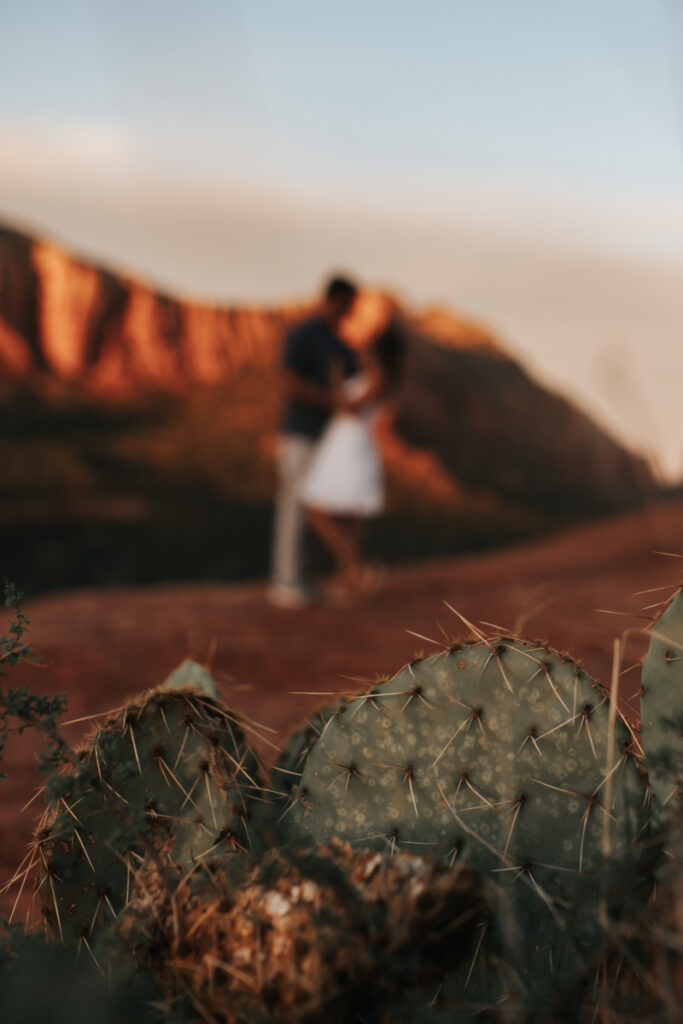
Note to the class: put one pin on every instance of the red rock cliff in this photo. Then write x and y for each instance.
(463, 399)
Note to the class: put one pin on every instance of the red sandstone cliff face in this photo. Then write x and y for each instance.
(62, 317)
(78, 323)
(470, 409)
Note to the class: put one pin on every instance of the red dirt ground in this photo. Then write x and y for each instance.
(103, 645)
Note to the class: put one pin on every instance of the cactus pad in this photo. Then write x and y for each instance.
(287, 771)
(662, 707)
(494, 754)
(170, 776)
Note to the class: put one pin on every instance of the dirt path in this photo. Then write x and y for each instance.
(104, 645)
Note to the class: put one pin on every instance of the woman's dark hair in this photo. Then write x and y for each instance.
(389, 349)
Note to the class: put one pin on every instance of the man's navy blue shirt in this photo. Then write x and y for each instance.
(311, 350)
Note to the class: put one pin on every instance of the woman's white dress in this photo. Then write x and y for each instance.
(345, 474)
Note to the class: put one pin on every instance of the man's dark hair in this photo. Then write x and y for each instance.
(339, 289)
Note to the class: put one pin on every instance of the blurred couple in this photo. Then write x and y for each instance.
(329, 464)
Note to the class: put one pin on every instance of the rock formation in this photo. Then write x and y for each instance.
(464, 400)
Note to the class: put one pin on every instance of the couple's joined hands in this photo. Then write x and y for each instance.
(341, 402)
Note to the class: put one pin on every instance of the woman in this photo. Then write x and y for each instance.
(344, 484)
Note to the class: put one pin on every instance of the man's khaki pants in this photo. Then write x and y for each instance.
(293, 459)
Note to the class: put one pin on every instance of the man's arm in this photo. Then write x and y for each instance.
(295, 386)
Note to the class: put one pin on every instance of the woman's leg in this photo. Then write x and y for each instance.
(339, 537)
(357, 528)
(367, 578)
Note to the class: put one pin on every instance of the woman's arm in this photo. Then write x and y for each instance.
(374, 391)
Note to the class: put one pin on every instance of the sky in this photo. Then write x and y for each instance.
(519, 160)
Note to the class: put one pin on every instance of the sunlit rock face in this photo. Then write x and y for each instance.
(78, 323)
(473, 411)
(70, 301)
(75, 322)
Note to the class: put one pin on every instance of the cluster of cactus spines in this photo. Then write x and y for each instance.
(494, 754)
(170, 776)
(331, 931)
(662, 710)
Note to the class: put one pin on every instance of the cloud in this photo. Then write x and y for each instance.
(56, 148)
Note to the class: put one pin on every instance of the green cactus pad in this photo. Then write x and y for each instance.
(494, 754)
(43, 981)
(287, 771)
(170, 776)
(191, 673)
(662, 709)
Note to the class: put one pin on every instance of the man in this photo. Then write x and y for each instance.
(313, 355)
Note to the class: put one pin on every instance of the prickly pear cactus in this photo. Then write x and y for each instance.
(169, 776)
(662, 709)
(332, 931)
(501, 755)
